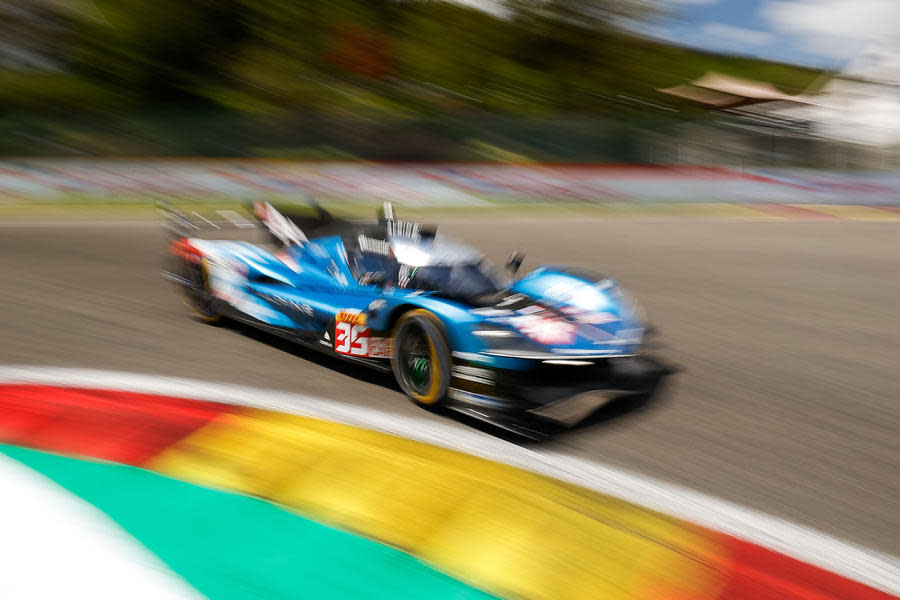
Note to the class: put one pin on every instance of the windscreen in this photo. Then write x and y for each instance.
(465, 282)
(371, 268)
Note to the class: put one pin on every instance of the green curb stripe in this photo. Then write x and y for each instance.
(232, 546)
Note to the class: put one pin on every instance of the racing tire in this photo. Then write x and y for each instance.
(420, 358)
(198, 298)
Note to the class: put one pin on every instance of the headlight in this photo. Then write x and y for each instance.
(503, 339)
(499, 332)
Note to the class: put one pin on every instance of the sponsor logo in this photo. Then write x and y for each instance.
(351, 339)
(511, 300)
(530, 310)
(373, 245)
(403, 229)
(353, 317)
(563, 291)
(404, 276)
(545, 329)
(591, 318)
(372, 276)
(379, 347)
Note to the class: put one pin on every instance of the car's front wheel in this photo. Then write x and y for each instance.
(421, 358)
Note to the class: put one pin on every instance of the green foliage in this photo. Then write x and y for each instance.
(159, 50)
(437, 64)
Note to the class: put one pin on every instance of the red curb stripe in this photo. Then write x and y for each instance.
(756, 572)
(122, 427)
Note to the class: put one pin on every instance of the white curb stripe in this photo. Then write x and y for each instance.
(874, 568)
(55, 545)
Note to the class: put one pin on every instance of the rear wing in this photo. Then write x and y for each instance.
(179, 224)
(280, 227)
(295, 221)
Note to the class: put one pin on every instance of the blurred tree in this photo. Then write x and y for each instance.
(341, 70)
(159, 50)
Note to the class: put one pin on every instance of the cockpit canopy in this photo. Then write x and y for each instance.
(403, 254)
(430, 264)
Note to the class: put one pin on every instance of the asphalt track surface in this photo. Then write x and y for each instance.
(785, 335)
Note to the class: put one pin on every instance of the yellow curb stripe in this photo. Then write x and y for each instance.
(508, 531)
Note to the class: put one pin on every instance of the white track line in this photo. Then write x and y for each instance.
(874, 568)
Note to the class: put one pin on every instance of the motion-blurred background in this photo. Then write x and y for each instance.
(762, 82)
(761, 137)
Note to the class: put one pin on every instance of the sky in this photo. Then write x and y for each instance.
(820, 33)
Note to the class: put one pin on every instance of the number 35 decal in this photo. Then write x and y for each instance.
(350, 338)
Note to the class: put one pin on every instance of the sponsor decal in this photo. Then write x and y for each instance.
(373, 245)
(589, 317)
(405, 229)
(404, 275)
(562, 291)
(350, 339)
(372, 276)
(545, 329)
(511, 300)
(352, 316)
(379, 347)
(530, 310)
(353, 337)
(377, 304)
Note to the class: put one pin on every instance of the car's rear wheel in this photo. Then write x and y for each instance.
(421, 358)
(197, 296)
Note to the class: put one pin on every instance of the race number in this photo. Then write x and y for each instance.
(351, 336)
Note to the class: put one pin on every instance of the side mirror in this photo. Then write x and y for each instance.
(515, 261)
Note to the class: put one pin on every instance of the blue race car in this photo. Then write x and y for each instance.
(552, 346)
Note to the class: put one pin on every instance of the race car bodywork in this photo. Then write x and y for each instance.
(553, 345)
